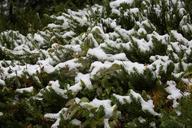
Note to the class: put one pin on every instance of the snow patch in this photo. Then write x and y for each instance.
(175, 93)
(22, 90)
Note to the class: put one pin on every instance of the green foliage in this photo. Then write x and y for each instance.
(30, 16)
(18, 111)
(145, 81)
(179, 117)
(140, 53)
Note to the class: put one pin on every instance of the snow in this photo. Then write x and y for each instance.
(2, 82)
(159, 63)
(123, 99)
(71, 64)
(56, 124)
(187, 81)
(131, 66)
(142, 44)
(98, 66)
(107, 49)
(182, 11)
(178, 112)
(101, 55)
(124, 34)
(186, 93)
(75, 48)
(52, 116)
(106, 123)
(174, 93)
(68, 34)
(79, 17)
(76, 88)
(76, 122)
(54, 83)
(52, 25)
(99, 31)
(96, 103)
(39, 38)
(56, 87)
(179, 37)
(48, 68)
(146, 105)
(174, 1)
(106, 104)
(32, 69)
(141, 120)
(152, 124)
(116, 11)
(134, 10)
(117, 3)
(27, 89)
(120, 56)
(85, 78)
(142, 30)
(97, 52)
(55, 116)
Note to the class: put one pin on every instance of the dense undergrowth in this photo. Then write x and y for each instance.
(113, 64)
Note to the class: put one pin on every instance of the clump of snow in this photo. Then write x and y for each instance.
(131, 66)
(56, 87)
(146, 105)
(75, 47)
(39, 38)
(117, 3)
(105, 103)
(32, 69)
(76, 88)
(68, 34)
(186, 93)
(22, 90)
(142, 44)
(45, 66)
(152, 124)
(187, 81)
(179, 37)
(174, 93)
(123, 99)
(55, 116)
(159, 63)
(141, 120)
(97, 103)
(178, 112)
(106, 123)
(52, 25)
(85, 78)
(98, 66)
(2, 82)
(97, 52)
(71, 64)
(101, 55)
(142, 31)
(76, 122)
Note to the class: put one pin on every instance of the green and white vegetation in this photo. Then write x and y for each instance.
(117, 64)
